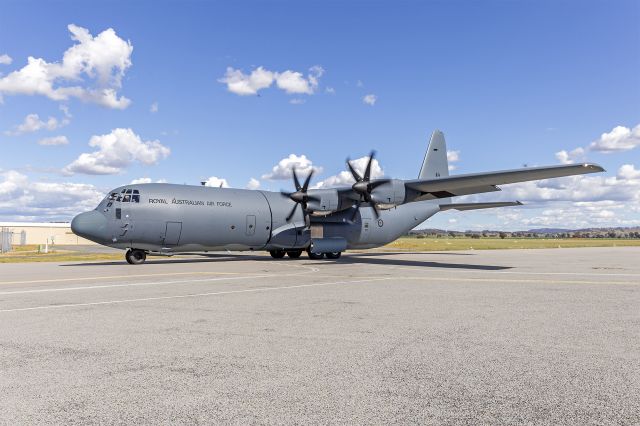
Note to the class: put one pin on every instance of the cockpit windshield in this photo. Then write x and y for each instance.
(126, 195)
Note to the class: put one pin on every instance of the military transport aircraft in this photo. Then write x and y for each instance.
(164, 219)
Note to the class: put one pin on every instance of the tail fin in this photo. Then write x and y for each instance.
(435, 162)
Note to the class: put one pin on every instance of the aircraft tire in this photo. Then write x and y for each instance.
(314, 256)
(277, 254)
(294, 254)
(135, 256)
(335, 255)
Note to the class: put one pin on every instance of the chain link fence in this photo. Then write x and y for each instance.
(6, 240)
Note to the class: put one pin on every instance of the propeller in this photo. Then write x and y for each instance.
(364, 186)
(300, 197)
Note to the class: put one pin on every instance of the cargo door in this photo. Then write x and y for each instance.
(172, 233)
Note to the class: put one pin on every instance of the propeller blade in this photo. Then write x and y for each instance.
(355, 174)
(292, 212)
(375, 210)
(355, 212)
(286, 194)
(367, 171)
(307, 220)
(377, 183)
(305, 186)
(295, 179)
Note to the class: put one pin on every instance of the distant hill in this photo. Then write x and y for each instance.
(549, 230)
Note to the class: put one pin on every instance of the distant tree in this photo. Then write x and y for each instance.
(503, 235)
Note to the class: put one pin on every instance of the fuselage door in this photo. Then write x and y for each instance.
(251, 225)
(172, 233)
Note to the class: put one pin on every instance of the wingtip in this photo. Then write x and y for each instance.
(519, 203)
(594, 168)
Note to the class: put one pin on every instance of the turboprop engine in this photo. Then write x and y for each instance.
(389, 194)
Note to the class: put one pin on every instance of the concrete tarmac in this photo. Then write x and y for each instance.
(490, 337)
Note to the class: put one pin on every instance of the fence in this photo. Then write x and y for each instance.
(6, 240)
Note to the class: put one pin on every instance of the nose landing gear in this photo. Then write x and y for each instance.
(135, 256)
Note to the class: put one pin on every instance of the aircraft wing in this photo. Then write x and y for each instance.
(483, 182)
(476, 206)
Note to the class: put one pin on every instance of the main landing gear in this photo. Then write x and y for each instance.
(135, 256)
(295, 254)
(279, 254)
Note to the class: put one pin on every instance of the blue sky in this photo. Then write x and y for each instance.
(510, 83)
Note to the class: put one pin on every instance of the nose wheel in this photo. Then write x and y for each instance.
(135, 256)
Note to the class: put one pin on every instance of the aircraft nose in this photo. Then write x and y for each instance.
(91, 225)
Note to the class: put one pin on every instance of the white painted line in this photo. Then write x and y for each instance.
(184, 296)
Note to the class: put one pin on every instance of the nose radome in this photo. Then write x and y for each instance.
(91, 225)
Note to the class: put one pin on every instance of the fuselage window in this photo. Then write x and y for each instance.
(118, 213)
(135, 198)
(127, 196)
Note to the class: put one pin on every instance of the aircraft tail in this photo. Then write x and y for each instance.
(435, 162)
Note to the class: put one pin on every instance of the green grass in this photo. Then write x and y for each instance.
(29, 253)
(463, 243)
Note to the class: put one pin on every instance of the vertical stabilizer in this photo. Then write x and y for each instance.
(435, 162)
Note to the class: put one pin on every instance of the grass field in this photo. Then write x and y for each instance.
(30, 253)
(440, 244)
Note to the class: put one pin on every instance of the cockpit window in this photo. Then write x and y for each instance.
(126, 196)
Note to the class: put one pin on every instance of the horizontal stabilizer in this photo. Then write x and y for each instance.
(477, 206)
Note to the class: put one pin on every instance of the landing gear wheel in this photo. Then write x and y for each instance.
(277, 254)
(314, 256)
(294, 254)
(135, 256)
(335, 255)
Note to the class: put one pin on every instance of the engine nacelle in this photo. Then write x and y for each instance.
(389, 194)
(328, 200)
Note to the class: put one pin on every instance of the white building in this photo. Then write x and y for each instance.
(42, 233)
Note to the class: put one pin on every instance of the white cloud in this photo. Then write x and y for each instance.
(54, 141)
(330, 90)
(359, 84)
(5, 59)
(296, 101)
(628, 172)
(146, 180)
(282, 170)
(570, 157)
(345, 178)
(253, 183)
(453, 157)
(33, 123)
(619, 139)
(292, 82)
(22, 199)
(153, 107)
(102, 60)
(216, 182)
(370, 99)
(116, 151)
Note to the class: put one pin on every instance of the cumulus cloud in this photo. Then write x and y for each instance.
(33, 123)
(116, 151)
(344, 178)
(5, 59)
(146, 180)
(370, 99)
(619, 139)
(570, 157)
(216, 182)
(91, 70)
(292, 82)
(253, 183)
(282, 170)
(22, 199)
(54, 141)
(453, 157)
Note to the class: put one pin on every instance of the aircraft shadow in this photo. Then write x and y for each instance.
(354, 259)
(357, 259)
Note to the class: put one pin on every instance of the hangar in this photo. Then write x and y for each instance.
(21, 233)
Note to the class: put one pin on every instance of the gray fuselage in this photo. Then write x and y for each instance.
(168, 218)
